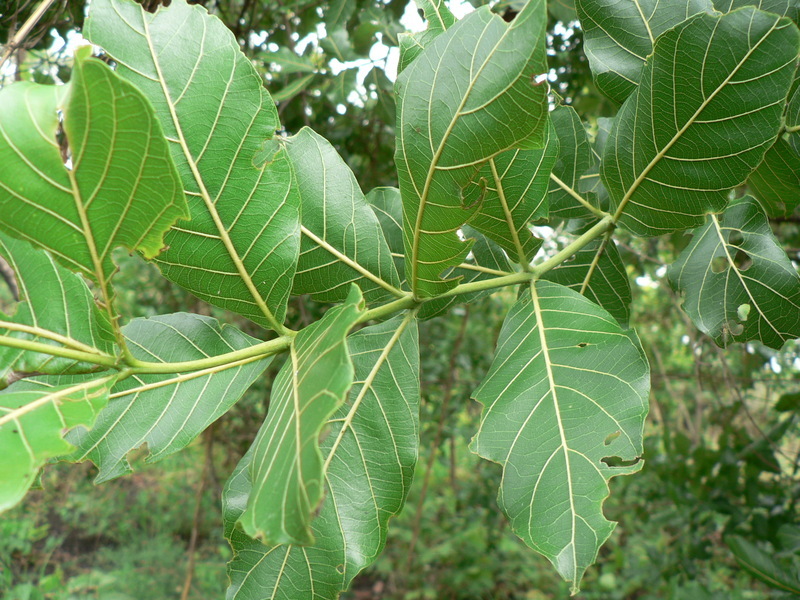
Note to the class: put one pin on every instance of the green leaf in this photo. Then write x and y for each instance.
(240, 248)
(287, 467)
(342, 238)
(783, 8)
(439, 19)
(295, 87)
(388, 208)
(733, 262)
(619, 36)
(467, 97)
(514, 185)
(600, 276)
(763, 566)
(776, 181)
(168, 411)
(371, 448)
(339, 12)
(575, 158)
(32, 425)
(120, 188)
(56, 308)
(708, 106)
(567, 390)
(290, 62)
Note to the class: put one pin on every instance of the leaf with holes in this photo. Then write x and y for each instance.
(167, 412)
(708, 106)
(620, 34)
(32, 425)
(57, 309)
(597, 272)
(371, 448)
(468, 96)
(739, 285)
(240, 248)
(566, 393)
(286, 469)
(342, 238)
(117, 186)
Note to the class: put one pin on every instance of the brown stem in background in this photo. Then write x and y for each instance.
(198, 508)
(448, 393)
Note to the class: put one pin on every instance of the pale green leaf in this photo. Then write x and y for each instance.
(709, 104)
(598, 275)
(620, 34)
(371, 447)
(290, 62)
(118, 186)
(439, 19)
(59, 306)
(287, 464)
(293, 88)
(776, 181)
(32, 425)
(339, 12)
(567, 389)
(734, 261)
(167, 412)
(240, 248)
(468, 96)
(342, 238)
(514, 189)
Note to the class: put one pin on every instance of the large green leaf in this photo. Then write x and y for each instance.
(620, 34)
(439, 19)
(371, 447)
(115, 185)
(567, 389)
(56, 308)
(776, 181)
(764, 566)
(287, 465)
(708, 106)
(514, 187)
(784, 8)
(468, 96)
(597, 272)
(739, 285)
(575, 158)
(32, 425)
(167, 411)
(240, 248)
(342, 238)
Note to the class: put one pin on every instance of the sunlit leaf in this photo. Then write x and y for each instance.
(564, 409)
(370, 449)
(287, 464)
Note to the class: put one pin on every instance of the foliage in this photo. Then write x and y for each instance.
(172, 147)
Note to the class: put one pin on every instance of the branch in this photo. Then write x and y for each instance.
(592, 209)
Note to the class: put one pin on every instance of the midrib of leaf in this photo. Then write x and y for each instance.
(350, 262)
(595, 261)
(732, 264)
(552, 384)
(53, 397)
(523, 260)
(438, 154)
(223, 233)
(645, 21)
(643, 175)
(367, 386)
(51, 335)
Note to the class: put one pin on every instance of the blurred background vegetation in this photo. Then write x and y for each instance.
(722, 446)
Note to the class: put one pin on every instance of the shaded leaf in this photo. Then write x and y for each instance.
(388, 207)
(167, 411)
(575, 158)
(287, 465)
(763, 566)
(240, 247)
(371, 448)
(342, 238)
(293, 88)
(739, 285)
(708, 106)
(567, 390)
(475, 78)
(776, 181)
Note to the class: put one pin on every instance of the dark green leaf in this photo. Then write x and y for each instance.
(763, 566)
(776, 181)
(575, 158)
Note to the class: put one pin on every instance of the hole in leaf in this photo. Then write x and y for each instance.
(742, 312)
(616, 461)
(611, 437)
(340, 569)
(63, 143)
(719, 264)
(582, 345)
(735, 238)
(736, 328)
(742, 260)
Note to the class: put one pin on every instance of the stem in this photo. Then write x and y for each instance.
(595, 261)
(593, 209)
(52, 335)
(79, 355)
(15, 43)
(521, 258)
(792, 128)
